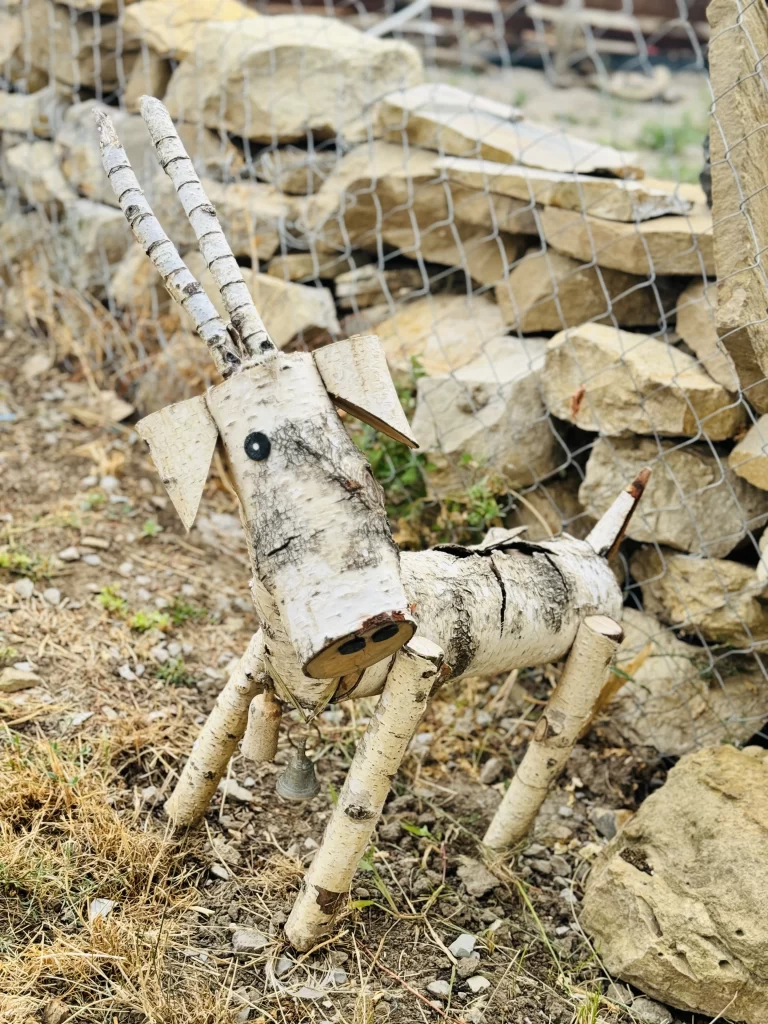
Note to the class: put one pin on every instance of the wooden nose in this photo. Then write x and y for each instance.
(379, 640)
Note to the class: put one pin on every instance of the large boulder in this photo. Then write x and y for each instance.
(547, 291)
(78, 147)
(36, 113)
(693, 501)
(453, 121)
(441, 333)
(79, 50)
(664, 245)
(695, 323)
(15, 65)
(274, 79)
(172, 29)
(32, 169)
(385, 192)
(604, 379)
(93, 238)
(737, 156)
(710, 598)
(487, 420)
(676, 698)
(749, 458)
(676, 903)
(609, 198)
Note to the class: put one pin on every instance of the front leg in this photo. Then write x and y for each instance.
(417, 667)
(218, 738)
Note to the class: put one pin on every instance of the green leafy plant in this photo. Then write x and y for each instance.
(111, 601)
(8, 654)
(181, 612)
(22, 563)
(174, 672)
(150, 528)
(144, 620)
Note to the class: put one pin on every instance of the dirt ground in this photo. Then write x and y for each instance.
(131, 642)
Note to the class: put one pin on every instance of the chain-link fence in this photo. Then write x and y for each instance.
(516, 199)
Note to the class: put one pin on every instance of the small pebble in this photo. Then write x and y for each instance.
(24, 588)
(159, 654)
(249, 940)
(95, 542)
(283, 966)
(109, 483)
(569, 896)
(127, 673)
(100, 909)
(463, 946)
(560, 865)
(491, 770)
(219, 871)
(143, 580)
(651, 1012)
(478, 984)
(439, 988)
(467, 966)
(305, 992)
(92, 559)
(14, 679)
(52, 595)
(174, 649)
(565, 812)
(80, 717)
(70, 554)
(88, 481)
(143, 595)
(125, 569)
(535, 850)
(232, 788)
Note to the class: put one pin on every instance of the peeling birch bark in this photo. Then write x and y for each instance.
(218, 739)
(557, 731)
(177, 277)
(262, 731)
(219, 258)
(315, 517)
(357, 378)
(414, 674)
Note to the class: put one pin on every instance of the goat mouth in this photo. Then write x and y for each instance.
(378, 638)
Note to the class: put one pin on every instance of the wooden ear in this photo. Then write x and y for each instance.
(357, 378)
(181, 441)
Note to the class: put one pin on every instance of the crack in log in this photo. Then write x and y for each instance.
(500, 581)
(282, 547)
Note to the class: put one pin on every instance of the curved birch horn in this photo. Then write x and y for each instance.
(218, 256)
(178, 279)
(608, 532)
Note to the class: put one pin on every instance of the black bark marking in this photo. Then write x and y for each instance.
(463, 644)
(357, 812)
(500, 581)
(328, 900)
(282, 547)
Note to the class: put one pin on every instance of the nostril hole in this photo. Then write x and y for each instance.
(385, 633)
(352, 646)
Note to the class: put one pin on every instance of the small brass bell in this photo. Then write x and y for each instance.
(298, 781)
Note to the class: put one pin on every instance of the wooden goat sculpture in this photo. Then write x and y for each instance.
(338, 604)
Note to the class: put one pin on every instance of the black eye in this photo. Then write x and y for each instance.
(257, 446)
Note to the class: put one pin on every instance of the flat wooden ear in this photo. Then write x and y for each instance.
(181, 441)
(357, 378)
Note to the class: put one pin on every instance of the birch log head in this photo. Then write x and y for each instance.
(315, 517)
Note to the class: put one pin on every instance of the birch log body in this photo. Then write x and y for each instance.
(558, 730)
(218, 739)
(376, 761)
(512, 604)
(201, 213)
(315, 518)
(182, 286)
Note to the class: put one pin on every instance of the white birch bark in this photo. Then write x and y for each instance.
(357, 378)
(218, 739)
(201, 213)
(557, 731)
(177, 278)
(608, 532)
(414, 674)
(263, 729)
(314, 515)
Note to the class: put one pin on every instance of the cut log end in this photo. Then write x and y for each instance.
(379, 639)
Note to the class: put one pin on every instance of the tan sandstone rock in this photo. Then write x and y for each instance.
(547, 291)
(302, 266)
(384, 192)
(92, 239)
(78, 147)
(277, 78)
(15, 58)
(551, 508)
(749, 459)
(677, 697)
(675, 903)
(441, 332)
(299, 172)
(693, 501)
(696, 325)
(610, 198)
(32, 168)
(149, 76)
(79, 49)
(369, 285)
(172, 29)
(711, 598)
(458, 123)
(739, 197)
(665, 245)
(617, 383)
(288, 310)
(37, 113)
(487, 420)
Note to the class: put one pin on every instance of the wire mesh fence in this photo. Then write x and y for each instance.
(516, 198)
